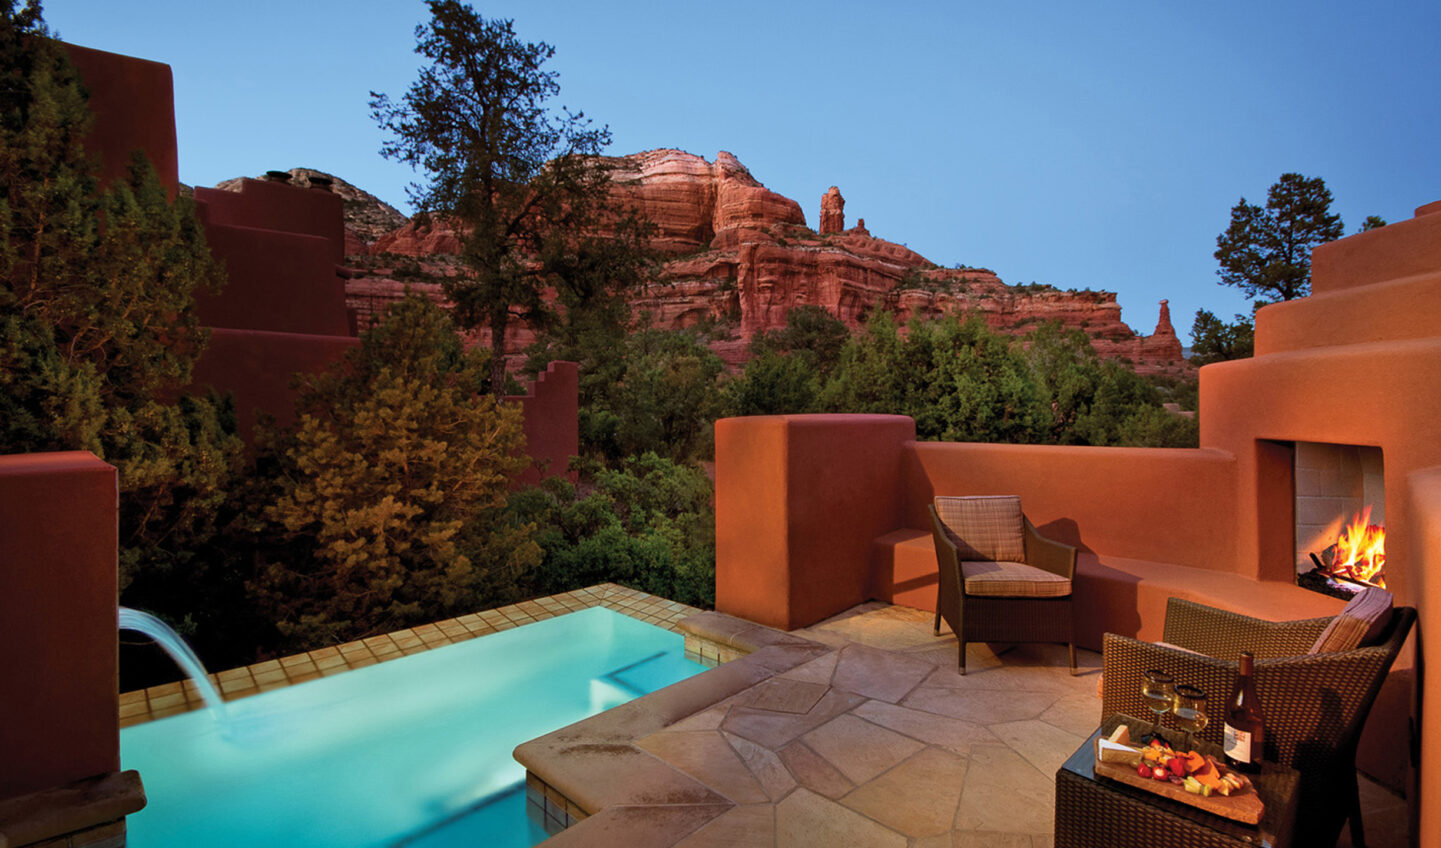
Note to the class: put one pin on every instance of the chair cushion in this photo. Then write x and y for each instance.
(987, 528)
(1012, 580)
(1360, 623)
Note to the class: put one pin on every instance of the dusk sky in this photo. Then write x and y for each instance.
(1095, 145)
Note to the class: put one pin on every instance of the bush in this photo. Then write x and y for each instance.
(962, 381)
(644, 521)
(773, 384)
(665, 400)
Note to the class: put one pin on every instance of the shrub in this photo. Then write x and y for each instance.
(385, 503)
(644, 521)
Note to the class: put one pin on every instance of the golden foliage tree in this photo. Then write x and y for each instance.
(386, 500)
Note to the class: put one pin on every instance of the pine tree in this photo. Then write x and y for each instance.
(1266, 251)
(523, 184)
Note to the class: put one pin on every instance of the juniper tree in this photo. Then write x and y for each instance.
(518, 179)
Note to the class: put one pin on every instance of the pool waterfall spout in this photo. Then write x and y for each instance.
(176, 646)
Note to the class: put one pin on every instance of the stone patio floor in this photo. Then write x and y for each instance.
(879, 742)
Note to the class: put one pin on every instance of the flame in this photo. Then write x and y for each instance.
(1359, 553)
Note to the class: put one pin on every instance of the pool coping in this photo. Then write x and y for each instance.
(589, 783)
(167, 699)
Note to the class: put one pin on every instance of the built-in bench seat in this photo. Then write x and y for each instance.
(1112, 594)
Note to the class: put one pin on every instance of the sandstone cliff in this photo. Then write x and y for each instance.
(742, 256)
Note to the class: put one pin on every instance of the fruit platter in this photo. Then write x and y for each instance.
(1189, 777)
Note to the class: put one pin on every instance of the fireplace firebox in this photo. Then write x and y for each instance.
(1340, 517)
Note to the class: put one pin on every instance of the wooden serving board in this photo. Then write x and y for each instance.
(1243, 805)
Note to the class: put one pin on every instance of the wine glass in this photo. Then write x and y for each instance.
(1191, 712)
(1160, 697)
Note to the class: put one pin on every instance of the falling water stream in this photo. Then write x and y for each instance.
(176, 647)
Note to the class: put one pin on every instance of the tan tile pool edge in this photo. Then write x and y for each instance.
(168, 699)
(588, 782)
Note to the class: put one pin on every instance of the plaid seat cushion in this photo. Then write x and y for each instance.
(1360, 623)
(1012, 580)
(987, 528)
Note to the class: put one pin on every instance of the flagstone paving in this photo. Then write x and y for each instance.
(875, 739)
(896, 747)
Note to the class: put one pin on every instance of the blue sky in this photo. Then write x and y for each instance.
(1095, 145)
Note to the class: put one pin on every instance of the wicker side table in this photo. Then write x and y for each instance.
(1094, 812)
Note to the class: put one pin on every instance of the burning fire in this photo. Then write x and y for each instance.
(1359, 552)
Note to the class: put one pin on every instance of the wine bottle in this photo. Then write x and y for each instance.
(1245, 727)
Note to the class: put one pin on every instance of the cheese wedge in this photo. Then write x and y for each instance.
(1121, 735)
(1114, 752)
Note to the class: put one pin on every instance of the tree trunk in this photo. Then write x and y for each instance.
(498, 321)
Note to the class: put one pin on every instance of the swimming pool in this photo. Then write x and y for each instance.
(413, 752)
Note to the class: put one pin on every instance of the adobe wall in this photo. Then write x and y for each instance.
(1098, 499)
(798, 500)
(1424, 517)
(1395, 251)
(133, 101)
(281, 207)
(256, 368)
(1382, 394)
(277, 281)
(552, 420)
(58, 576)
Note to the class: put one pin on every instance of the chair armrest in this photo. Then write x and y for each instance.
(1048, 555)
(1223, 634)
(948, 558)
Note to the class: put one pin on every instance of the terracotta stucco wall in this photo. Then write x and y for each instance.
(1424, 517)
(133, 101)
(58, 638)
(799, 499)
(552, 420)
(1099, 499)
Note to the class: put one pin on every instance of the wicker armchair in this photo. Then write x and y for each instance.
(1315, 704)
(991, 618)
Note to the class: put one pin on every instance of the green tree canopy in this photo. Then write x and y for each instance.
(591, 278)
(1213, 340)
(1266, 251)
(644, 521)
(665, 400)
(811, 332)
(521, 182)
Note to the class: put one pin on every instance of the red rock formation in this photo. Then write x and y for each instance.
(413, 239)
(742, 254)
(833, 211)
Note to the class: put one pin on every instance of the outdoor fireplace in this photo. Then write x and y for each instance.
(1340, 517)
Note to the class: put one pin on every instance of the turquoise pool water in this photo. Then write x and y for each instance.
(413, 752)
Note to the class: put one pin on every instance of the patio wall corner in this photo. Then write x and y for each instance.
(58, 538)
(799, 499)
